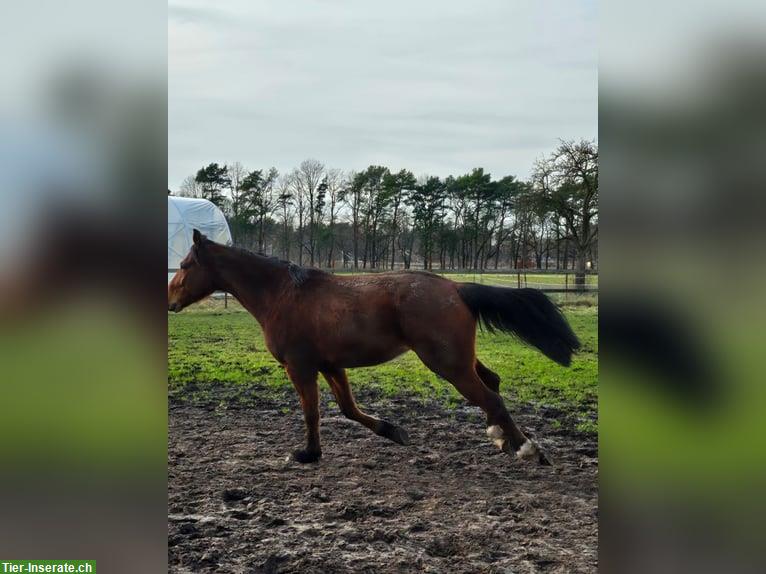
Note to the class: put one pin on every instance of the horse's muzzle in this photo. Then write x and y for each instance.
(174, 307)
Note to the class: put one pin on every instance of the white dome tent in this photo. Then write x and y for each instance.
(186, 214)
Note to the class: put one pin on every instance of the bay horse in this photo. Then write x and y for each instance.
(316, 322)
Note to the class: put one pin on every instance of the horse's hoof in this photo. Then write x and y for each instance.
(306, 456)
(495, 433)
(531, 451)
(394, 433)
(401, 436)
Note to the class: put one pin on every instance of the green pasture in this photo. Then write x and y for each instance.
(83, 394)
(539, 281)
(214, 352)
(536, 280)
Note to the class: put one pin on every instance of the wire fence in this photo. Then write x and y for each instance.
(547, 280)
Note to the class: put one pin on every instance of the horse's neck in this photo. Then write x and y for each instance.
(254, 281)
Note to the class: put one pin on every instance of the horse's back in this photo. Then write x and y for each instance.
(343, 321)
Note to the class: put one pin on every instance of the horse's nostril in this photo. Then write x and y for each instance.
(171, 307)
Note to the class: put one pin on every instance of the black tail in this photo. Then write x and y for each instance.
(527, 313)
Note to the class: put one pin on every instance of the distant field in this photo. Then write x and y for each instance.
(536, 280)
(511, 280)
(210, 347)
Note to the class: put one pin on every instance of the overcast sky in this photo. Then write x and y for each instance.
(435, 86)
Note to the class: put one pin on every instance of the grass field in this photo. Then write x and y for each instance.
(536, 280)
(215, 352)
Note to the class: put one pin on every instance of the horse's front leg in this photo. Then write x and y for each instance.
(305, 382)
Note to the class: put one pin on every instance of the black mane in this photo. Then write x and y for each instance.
(299, 275)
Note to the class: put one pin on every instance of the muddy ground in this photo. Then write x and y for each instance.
(448, 503)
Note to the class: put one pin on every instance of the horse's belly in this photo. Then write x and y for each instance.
(367, 356)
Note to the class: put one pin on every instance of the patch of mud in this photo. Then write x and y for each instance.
(449, 502)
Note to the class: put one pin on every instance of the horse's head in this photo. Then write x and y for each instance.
(194, 280)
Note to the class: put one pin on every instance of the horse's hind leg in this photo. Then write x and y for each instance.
(305, 382)
(490, 379)
(342, 390)
(464, 377)
(501, 428)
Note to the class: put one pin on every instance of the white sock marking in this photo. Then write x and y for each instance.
(527, 450)
(495, 432)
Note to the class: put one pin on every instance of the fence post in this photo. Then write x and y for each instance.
(225, 300)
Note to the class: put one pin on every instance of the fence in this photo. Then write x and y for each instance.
(501, 277)
(518, 278)
(536, 278)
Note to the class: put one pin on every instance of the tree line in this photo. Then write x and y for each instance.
(382, 219)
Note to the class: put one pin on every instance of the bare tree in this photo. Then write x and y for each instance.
(238, 216)
(306, 181)
(286, 209)
(190, 188)
(397, 187)
(237, 173)
(569, 178)
(258, 193)
(351, 195)
(334, 183)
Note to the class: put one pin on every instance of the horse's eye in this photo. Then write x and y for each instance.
(186, 264)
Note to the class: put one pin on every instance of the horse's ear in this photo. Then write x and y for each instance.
(198, 238)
